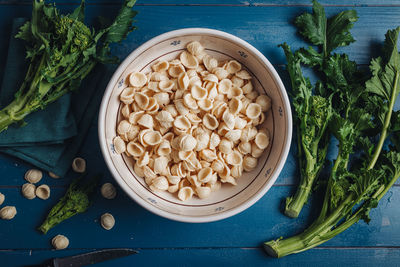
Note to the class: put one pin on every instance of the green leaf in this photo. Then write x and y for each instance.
(310, 57)
(338, 30)
(313, 26)
(79, 12)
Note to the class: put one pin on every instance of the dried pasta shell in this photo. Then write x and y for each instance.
(190, 102)
(79, 165)
(152, 138)
(133, 120)
(43, 191)
(224, 86)
(184, 155)
(233, 66)
(204, 175)
(235, 105)
(214, 140)
(60, 242)
(173, 188)
(175, 62)
(237, 81)
(194, 119)
(193, 180)
(235, 91)
(153, 105)
(137, 79)
(191, 73)
(185, 193)
(247, 88)
(209, 62)
(210, 122)
(160, 66)
(226, 172)
(159, 184)
(164, 148)
(237, 171)
(234, 158)
(198, 92)
(229, 119)
(208, 155)
(252, 95)
(119, 145)
(203, 192)
(253, 111)
(249, 163)
(244, 148)
(256, 151)
(146, 121)
(195, 81)
(28, 190)
(211, 78)
(127, 95)
(183, 80)
(217, 165)
(221, 73)
(162, 98)
(158, 76)
(134, 149)
(229, 180)
(248, 134)
(233, 135)
(143, 160)
(225, 146)
(205, 104)
(8, 212)
(181, 122)
(164, 116)
(240, 123)
(188, 60)
(108, 191)
(107, 221)
(243, 74)
(205, 163)
(160, 165)
(264, 101)
(223, 129)
(125, 111)
(180, 107)
(175, 70)
(149, 174)
(195, 48)
(141, 100)
(187, 142)
(33, 176)
(166, 85)
(212, 91)
(153, 86)
(262, 140)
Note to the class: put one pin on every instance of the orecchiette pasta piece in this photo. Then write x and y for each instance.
(249, 163)
(153, 106)
(194, 119)
(235, 105)
(214, 141)
(237, 81)
(152, 138)
(205, 163)
(162, 98)
(225, 146)
(60, 242)
(2, 197)
(173, 179)
(237, 171)
(127, 95)
(146, 121)
(233, 135)
(133, 120)
(119, 145)
(229, 119)
(190, 102)
(233, 66)
(261, 140)
(247, 88)
(164, 116)
(177, 170)
(203, 191)
(107, 221)
(108, 191)
(234, 158)
(217, 166)
(202, 141)
(185, 193)
(256, 151)
(191, 73)
(183, 81)
(137, 79)
(159, 184)
(183, 123)
(188, 60)
(226, 172)
(193, 180)
(208, 155)
(134, 149)
(153, 86)
(234, 91)
(240, 123)
(210, 122)
(211, 78)
(8, 212)
(198, 92)
(173, 188)
(175, 62)
(175, 70)
(195, 80)
(215, 186)
(209, 62)
(185, 155)
(159, 76)
(141, 100)
(144, 159)
(221, 73)
(180, 107)
(195, 48)
(223, 129)
(205, 104)
(149, 173)
(164, 148)
(253, 111)
(160, 66)
(264, 101)
(224, 86)
(244, 148)
(138, 170)
(248, 134)
(259, 120)
(166, 85)
(229, 180)
(28, 190)
(33, 176)
(187, 142)
(212, 91)
(79, 165)
(160, 165)
(125, 111)
(168, 137)
(43, 191)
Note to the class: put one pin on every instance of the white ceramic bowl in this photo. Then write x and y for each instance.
(229, 200)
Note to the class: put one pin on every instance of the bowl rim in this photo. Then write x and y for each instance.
(103, 144)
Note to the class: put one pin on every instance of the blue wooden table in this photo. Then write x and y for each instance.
(235, 241)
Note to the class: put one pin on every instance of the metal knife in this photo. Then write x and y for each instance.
(87, 258)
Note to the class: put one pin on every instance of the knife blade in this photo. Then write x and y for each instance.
(88, 258)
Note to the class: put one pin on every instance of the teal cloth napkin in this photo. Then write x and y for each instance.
(53, 136)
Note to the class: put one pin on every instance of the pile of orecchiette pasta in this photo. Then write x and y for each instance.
(190, 124)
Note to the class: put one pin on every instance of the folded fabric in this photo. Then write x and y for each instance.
(54, 145)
